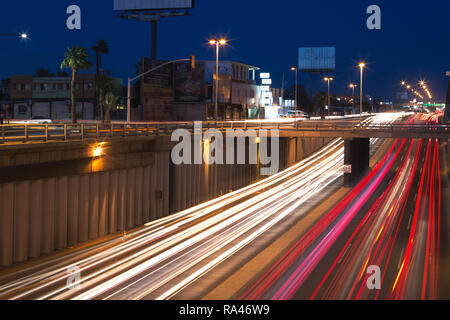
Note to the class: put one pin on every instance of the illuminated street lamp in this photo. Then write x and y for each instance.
(353, 86)
(328, 79)
(296, 88)
(361, 67)
(217, 43)
(18, 35)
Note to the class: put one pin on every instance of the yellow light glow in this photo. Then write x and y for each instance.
(362, 65)
(98, 151)
(222, 42)
(257, 140)
(212, 42)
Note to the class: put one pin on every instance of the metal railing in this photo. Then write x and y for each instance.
(69, 132)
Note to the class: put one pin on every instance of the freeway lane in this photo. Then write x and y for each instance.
(169, 255)
(390, 220)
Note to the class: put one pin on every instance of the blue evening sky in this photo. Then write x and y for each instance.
(414, 42)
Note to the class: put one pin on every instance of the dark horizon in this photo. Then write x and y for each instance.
(412, 45)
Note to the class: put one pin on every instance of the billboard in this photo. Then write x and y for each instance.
(317, 59)
(189, 84)
(136, 5)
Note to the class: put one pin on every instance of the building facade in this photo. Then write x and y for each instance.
(25, 97)
(179, 93)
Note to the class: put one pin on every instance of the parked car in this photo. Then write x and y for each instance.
(300, 114)
(39, 120)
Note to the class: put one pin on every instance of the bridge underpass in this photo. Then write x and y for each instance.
(58, 195)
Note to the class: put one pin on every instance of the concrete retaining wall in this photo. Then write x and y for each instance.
(44, 215)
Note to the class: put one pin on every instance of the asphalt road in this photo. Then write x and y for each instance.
(171, 258)
(391, 220)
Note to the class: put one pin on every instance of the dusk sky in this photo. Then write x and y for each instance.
(414, 42)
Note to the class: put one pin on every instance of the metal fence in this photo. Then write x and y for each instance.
(68, 132)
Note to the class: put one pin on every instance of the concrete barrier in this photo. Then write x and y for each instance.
(43, 215)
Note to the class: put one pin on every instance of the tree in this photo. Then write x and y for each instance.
(104, 85)
(43, 72)
(110, 103)
(320, 101)
(303, 99)
(76, 58)
(101, 47)
(62, 74)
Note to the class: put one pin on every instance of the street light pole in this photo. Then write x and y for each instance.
(216, 110)
(217, 43)
(296, 91)
(329, 99)
(361, 66)
(19, 35)
(353, 86)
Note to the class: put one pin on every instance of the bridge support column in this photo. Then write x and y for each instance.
(356, 159)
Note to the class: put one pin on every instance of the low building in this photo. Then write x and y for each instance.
(27, 97)
(179, 93)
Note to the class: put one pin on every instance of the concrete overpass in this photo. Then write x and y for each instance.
(55, 193)
(22, 133)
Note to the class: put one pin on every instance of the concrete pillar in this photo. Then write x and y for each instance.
(130, 194)
(84, 206)
(160, 184)
(356, 155)
(179, 189)
(35, 218)
(113, 201)
(189, 186)
(184, 186)
(21, 221)
(6, 223)
(122, 200)
(93, 205)
(153, 188)
(165, 186)
(103, 204)
(72, 210)
(48, 216)
(61, 212)
(138, 215)
(146, 195)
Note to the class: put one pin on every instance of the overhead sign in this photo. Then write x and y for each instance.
(317, 59)
(264, 75)
(136, 5)
(267, 81)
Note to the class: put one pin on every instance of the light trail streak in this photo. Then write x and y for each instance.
(170, 254)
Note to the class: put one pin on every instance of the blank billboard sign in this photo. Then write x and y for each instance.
(135, 5)
(317, 59)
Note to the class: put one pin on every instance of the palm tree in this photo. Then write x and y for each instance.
(76, 58)
(104, 85)
(101, 47)
(110, 103)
